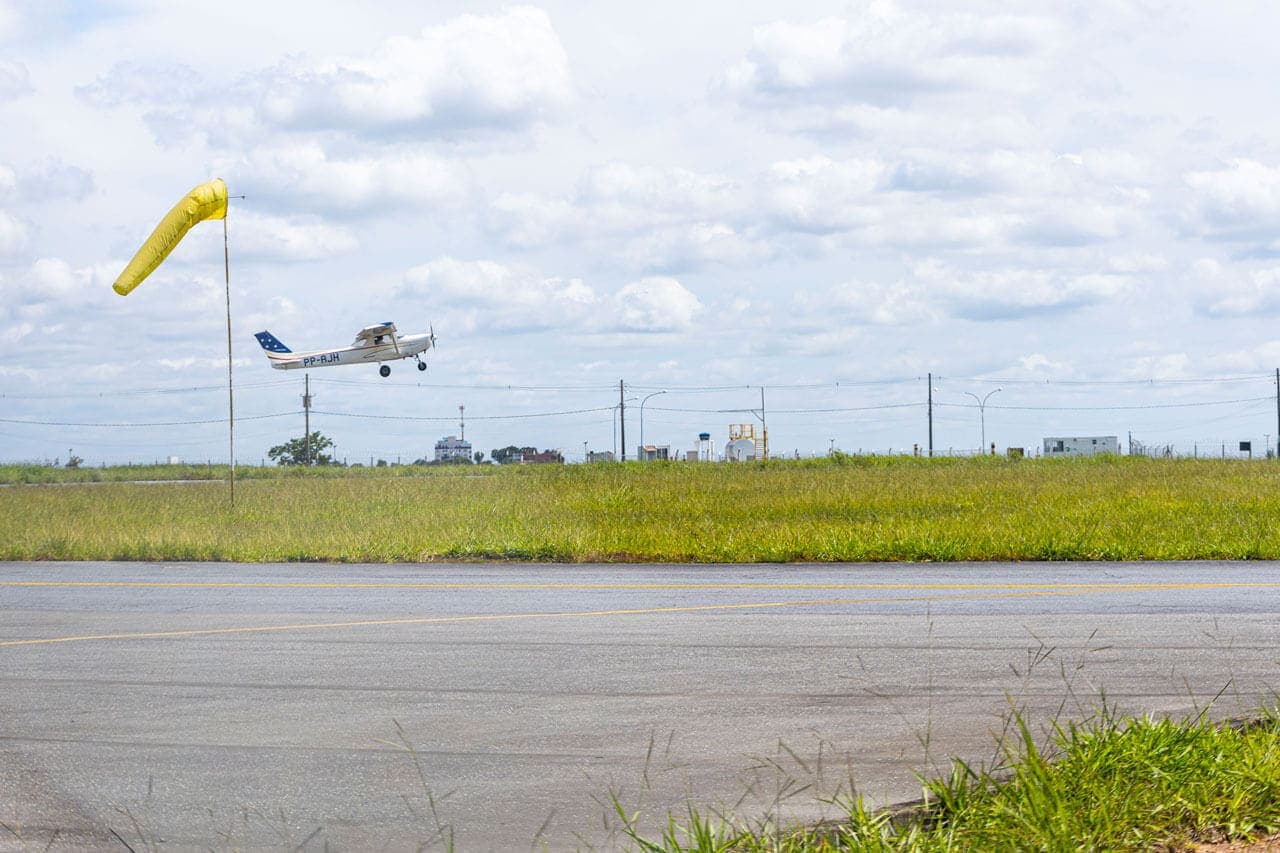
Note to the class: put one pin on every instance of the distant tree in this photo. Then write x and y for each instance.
(479, 456)
(509, 454)
(294, 451)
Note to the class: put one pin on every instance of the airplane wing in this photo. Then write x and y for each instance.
(371, 334)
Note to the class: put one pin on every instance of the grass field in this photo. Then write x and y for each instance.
(840, 509)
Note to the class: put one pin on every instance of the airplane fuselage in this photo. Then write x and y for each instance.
(366, 353)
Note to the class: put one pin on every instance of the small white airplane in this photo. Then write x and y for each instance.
(379, 342)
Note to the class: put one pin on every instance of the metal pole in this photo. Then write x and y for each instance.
(231, 396)
(982, 416)
(642, 402)
(622, 418)
(764, 424)
(1278, 412)
(306, 407)
(930, 378)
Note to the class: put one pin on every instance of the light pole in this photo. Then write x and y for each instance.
(615, 424)
(642, 402)
(982, 416)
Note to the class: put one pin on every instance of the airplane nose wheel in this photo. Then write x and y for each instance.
(422, 365)
(384, 371)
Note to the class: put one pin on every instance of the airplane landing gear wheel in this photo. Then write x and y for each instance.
(422, 365)
(384, 371)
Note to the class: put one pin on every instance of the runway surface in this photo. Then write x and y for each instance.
(508, 705)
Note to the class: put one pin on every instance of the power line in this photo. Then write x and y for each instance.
(1112, 408)
(140, 392)
(473, 417)
(147, 424)
(787, 411)
(1150, 381)
(595, 389)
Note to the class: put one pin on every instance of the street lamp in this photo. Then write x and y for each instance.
(616, 409)
(982, 415)
(642, 402)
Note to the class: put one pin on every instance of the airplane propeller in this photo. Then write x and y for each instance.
(432, 330)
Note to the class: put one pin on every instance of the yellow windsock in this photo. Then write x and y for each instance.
(207, 201)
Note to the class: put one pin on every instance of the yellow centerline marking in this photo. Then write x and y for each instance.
(1065, 589)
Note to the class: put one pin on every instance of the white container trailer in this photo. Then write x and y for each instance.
(1081, 445)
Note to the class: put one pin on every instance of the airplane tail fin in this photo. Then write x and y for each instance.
(270, 342)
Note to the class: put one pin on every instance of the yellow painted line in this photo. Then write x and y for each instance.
(509, 617)
(634, 586)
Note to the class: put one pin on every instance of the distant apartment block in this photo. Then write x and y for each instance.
(452, 447)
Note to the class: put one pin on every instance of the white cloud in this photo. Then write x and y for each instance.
(490, 296)
(506, 71)
(271, 238)
(15, 80)
(1219, 291)
(884, 55)
(303, 176)
(667, 219)
(474, 71)
(1014, 294)
(819, 195)
(1041, 364)
(691, 246)
(932, 293)
(498, 297)
(657, 304)
(870, 303)
(53, 179)
(1240, 202)
(13, 234)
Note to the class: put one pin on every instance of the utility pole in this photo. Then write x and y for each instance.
(764, 424)
(462, 423)
(1278, 412)
(306, 408)
(622, 417)
(930, 415)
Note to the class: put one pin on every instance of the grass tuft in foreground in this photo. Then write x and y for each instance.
(1133, 784)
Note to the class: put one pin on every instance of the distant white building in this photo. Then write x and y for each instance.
(1087, 445)
(651, 452)
(452, 447)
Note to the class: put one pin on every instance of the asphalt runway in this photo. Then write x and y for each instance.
(216, 705)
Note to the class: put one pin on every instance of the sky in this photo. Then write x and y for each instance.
(1066, 211)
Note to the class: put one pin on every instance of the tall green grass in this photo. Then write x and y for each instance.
(1111, 784)
(841, 509)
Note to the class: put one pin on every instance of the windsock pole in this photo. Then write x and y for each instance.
(231, 396)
